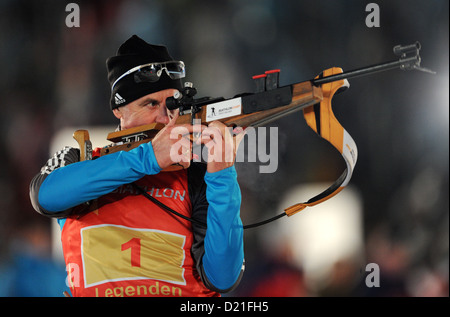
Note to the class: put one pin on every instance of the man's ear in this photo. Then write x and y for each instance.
(117, 113)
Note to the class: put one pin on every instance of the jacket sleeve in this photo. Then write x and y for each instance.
(218, 249)
(64, 182)
(66, 156)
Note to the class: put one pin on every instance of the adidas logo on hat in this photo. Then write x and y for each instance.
(118, 99)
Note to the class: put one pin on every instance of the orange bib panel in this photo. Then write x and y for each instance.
(128, 246)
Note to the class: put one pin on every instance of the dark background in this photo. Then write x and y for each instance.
(53, 77)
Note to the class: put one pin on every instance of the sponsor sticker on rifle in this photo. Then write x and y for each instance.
(223, 109)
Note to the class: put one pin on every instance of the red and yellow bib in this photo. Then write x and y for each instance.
(128, 246)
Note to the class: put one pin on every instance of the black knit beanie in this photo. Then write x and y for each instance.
(132, 53)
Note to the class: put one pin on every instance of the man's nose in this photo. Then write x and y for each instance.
(162, 119)
(162, 115)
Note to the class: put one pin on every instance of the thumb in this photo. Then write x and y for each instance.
(173, 120)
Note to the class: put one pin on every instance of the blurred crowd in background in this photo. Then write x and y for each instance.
(54, 77)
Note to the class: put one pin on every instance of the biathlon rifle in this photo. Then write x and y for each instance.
(267, 103)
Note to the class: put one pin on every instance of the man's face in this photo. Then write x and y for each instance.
(146, 110)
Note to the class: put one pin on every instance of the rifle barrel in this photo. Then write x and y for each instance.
(366, 70)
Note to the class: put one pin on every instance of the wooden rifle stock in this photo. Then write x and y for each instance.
(82, 137)
(268, 103)
(128, 139)
(301, 95)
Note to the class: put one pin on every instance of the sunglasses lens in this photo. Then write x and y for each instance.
(175, 70)
(147, 74)
(153, 72)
